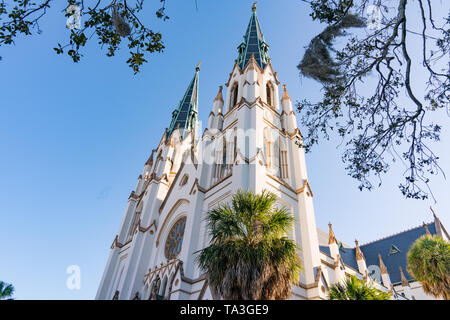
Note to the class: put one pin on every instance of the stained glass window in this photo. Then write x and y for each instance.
(175, 239)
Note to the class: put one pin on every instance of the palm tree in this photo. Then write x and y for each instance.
(249, 256)
(6, 291)
(354, 289)
(429, 262)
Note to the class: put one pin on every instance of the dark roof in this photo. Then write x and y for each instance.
(253, 44)
(348, 255)
(402, 241)
(185, 116)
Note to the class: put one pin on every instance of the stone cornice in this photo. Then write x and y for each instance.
(305, 185)
(282, 182)
(119, 245)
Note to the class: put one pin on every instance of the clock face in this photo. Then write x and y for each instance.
(175, 239)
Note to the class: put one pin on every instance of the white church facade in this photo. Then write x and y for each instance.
(252, 142)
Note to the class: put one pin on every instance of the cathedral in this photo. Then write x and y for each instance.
(252, 142)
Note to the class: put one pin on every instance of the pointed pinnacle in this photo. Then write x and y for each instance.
(285, 94)
(359, 254)
(404, 280)
(219, 95)
(426, 229)
(382, 266)
(331, 236)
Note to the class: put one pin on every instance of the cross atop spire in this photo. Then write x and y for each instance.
(185, 116)
(253, 43)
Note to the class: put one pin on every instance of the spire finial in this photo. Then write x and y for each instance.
(198, 66)
(254, 6)
(285, 94)
(331, 237)
(382, 266)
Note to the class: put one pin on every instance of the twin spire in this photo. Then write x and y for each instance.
(185, 116)
(253, 43)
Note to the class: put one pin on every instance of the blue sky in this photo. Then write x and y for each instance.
(74, 138)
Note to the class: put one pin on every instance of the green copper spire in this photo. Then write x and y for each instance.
(185, 116)
(253, 43)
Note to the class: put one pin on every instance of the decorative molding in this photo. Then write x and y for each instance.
(139, 228)
(332, 266)
(202, 292)
(119, 245)
(133, 196)
(161, 270)
(280, 181)
(281, 190)
(316, 280)
(305, 185)
(193, 186)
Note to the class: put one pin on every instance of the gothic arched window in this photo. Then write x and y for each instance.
(158, 161)
(234, 147)
(162, 292)
(269, 94)
(284, 172)
(175, 239)
(234, 95)
(268, 147)
(224, 157)
(276, 158)
(156, 284)
(135, 219)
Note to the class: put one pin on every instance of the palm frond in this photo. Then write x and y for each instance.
(354, 289)
(429, 262)
(249, 256)
(6, 290)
